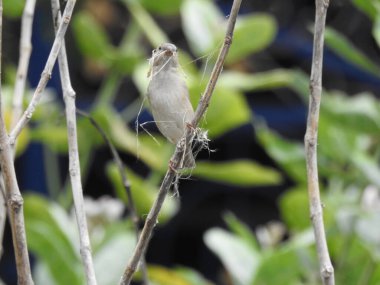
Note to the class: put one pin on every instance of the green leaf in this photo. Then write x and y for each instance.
(13, 8)
(253, 33)
(111, 258)
(368, 166)
(41, 273)
(366, 6)
(376, 29)
(276, 78)
(355, 262)
(91, 37)
(369, 232)
(163, 7)
(238, 172)
(154, 152)
(281, 267)
(228, 109)
(146, 23)
(202, 23)
(55, 137)
(289, 155)
(50, 237)
(360, 113)
(241, 229)
(290, 262)
(191, 276)
(345, 49)
(240, 260)
(124, 62)
(294, 207)
(143, 192)
(160, 275)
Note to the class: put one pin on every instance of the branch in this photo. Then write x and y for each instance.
(14, 198)
(311, 141)
(46, 74)
(19, 89)
(74, 163)
(151, 220)
(127, 185)
(23, 63)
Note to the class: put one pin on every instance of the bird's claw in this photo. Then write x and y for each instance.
(171, 166)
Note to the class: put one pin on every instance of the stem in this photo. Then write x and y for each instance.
(74, 163)
(151, 220)
(109, 88)
(19, 89)
(146, 23)
(23, 63)
(311, 139)
(46, 74)
(13, 195)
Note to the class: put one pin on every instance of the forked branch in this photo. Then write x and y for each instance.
(13, 195)
(46, 74)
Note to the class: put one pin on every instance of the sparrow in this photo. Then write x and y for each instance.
(168, 98)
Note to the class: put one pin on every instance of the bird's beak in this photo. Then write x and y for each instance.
(169, 53)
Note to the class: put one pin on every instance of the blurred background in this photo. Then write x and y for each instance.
(242, 215)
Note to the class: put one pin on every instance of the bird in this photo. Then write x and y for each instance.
(168, 98)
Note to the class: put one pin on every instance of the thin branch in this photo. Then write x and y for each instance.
(13, 195)
(46, 74)
(74, 163)
(151, 220)
(311, 142)
(23, 63)
(22, 69)
(127, 185)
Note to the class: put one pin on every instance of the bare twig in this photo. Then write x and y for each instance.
(22, 70)
(151, 220)
(74, 164)
(127, 185)
(13, 195)
(23, 63)
(311, 139)
(46, 74)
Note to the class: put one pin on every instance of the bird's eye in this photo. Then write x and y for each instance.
(159, 48)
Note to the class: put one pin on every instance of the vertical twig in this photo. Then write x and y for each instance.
(311, 140)
(127, 186)
(151, 219)
(19, 89)
(46, 74)
(74, 164)
(23, 62)
(13, 195)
